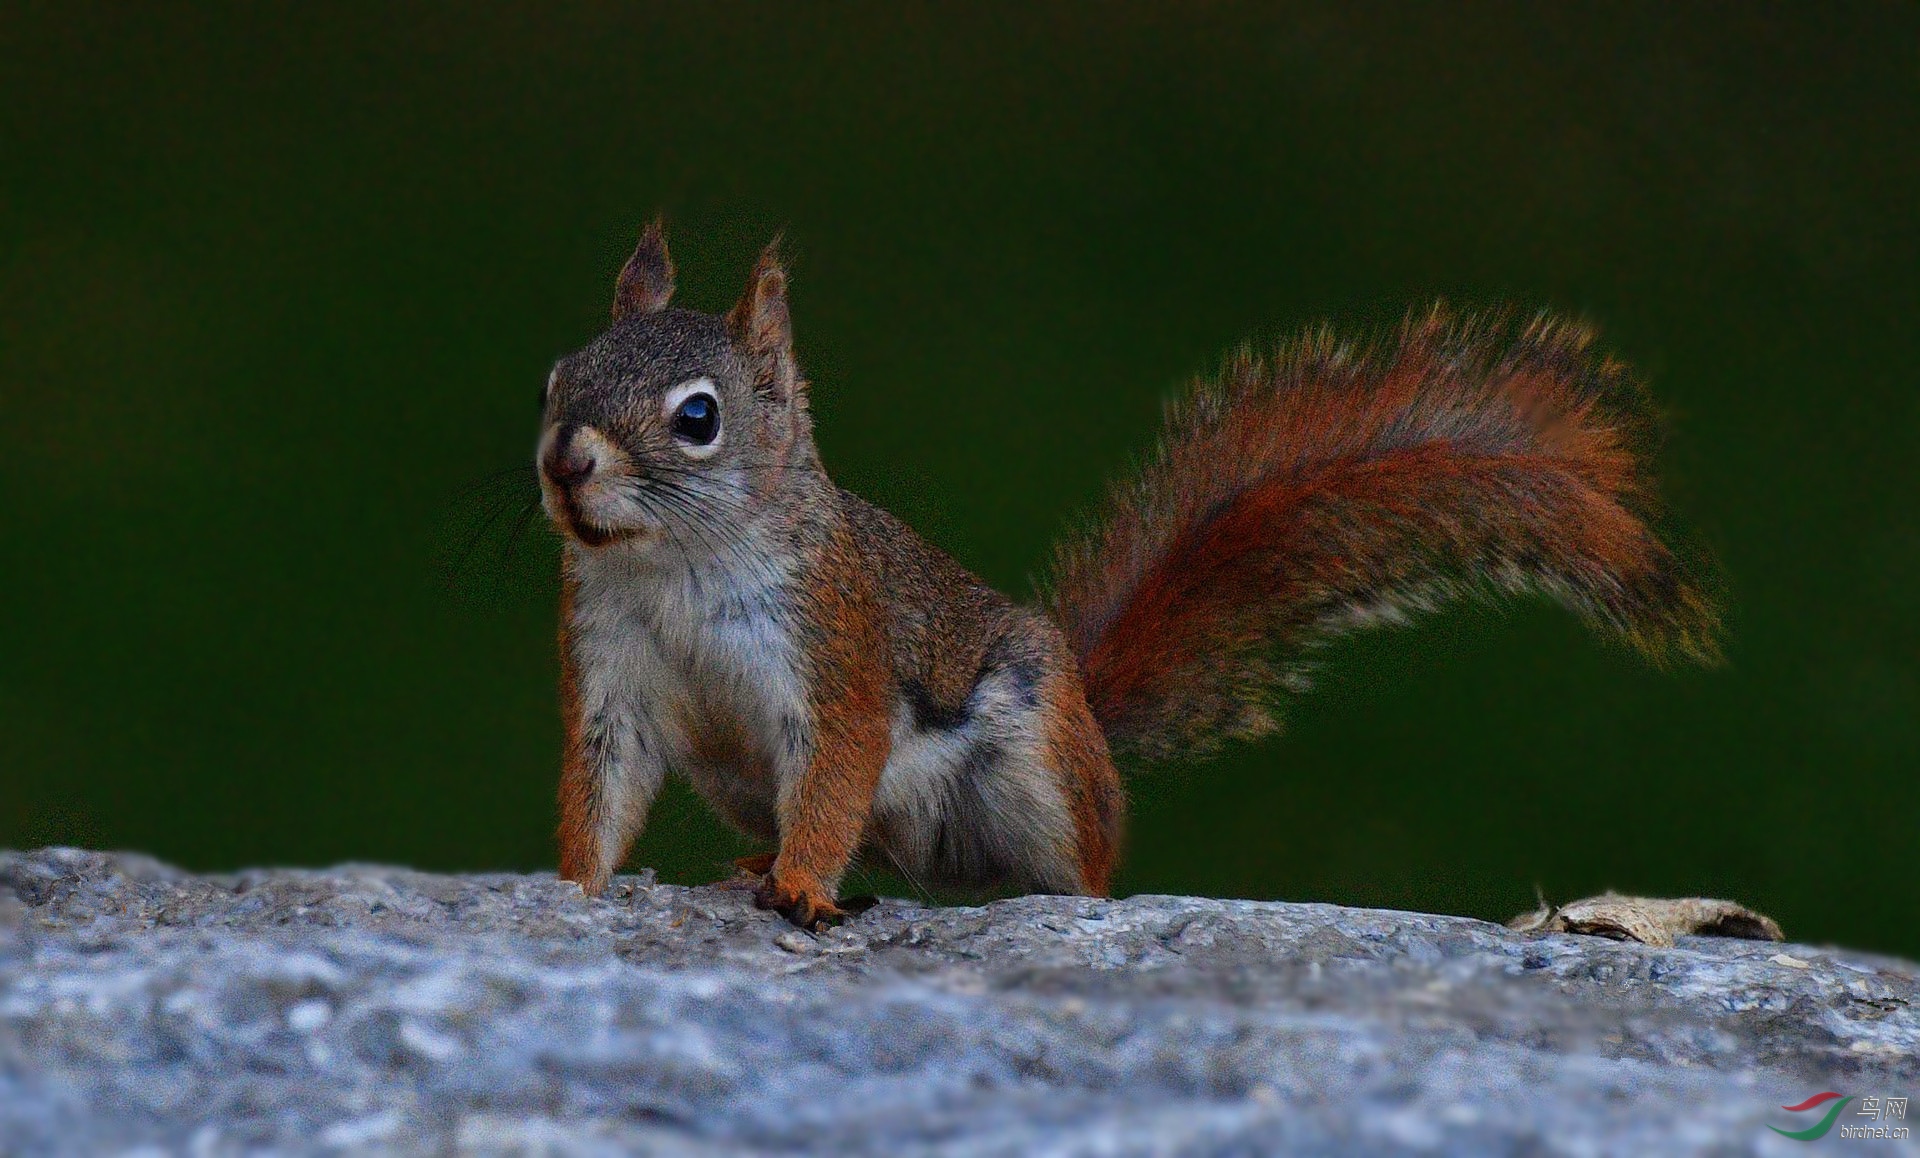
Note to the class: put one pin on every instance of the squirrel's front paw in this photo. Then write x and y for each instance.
(804, 903)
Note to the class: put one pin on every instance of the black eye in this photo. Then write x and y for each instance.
(697, 420)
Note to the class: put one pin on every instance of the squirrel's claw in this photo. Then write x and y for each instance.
(809, 908)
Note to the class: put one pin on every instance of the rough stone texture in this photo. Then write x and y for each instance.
(360, 1008)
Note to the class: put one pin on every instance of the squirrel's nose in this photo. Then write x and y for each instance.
(567, 462)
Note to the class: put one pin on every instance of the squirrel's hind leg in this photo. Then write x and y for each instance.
(1014, 788)
(1075, 750)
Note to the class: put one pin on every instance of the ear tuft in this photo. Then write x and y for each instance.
(759, 321)
(646, 281)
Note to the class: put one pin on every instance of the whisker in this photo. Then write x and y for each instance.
(515, 476)
(458, 563)
(519, 528)
(737, 546)
(472, 560)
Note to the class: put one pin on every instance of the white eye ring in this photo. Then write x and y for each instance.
(680, 394)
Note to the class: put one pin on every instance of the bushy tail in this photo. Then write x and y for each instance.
(1333, 487)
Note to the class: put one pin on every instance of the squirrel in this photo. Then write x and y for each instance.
(834, 685)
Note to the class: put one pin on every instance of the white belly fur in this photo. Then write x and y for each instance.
(662, 648)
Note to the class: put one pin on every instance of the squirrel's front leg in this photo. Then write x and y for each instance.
(610, 769)
(826, 796)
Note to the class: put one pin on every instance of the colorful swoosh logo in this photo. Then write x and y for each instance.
(1820, 1129)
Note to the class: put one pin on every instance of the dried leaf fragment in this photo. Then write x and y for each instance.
(1652, 921)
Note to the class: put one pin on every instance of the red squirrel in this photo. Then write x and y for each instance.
(834, 685)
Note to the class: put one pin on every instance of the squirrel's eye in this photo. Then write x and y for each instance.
(697, 420)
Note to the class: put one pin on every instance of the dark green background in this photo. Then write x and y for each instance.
(275, 283)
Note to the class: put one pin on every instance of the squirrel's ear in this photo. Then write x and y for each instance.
(646, 281)
(760, 324)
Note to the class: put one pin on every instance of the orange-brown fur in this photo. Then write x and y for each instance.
(825, 812)
(1462, 457)
(1076, 746)
(579, 791)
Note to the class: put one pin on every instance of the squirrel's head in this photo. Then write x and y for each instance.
(672, 421)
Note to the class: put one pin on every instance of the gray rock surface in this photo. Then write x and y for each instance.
(361, 1009)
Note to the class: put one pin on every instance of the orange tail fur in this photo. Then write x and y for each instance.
(1333, 487)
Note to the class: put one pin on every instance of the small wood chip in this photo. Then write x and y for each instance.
(1649, 920)
(794, 941)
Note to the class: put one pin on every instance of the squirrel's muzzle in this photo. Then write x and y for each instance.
(581, 472)
(569, 460)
